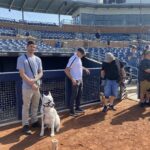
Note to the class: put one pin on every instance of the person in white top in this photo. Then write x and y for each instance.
(74, 72)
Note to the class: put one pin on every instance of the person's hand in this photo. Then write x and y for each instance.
(35, 87)
(31, 81)
(87, 71)
(74, 82)
(36, 77)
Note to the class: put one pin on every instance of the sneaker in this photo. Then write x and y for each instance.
(26, 130)
(79, 110)
(142, 105)
(111, 107)
(36, 125)
(104, 109)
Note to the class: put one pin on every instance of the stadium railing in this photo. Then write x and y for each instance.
(54, 81)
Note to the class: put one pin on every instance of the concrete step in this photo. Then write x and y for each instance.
(132, 92)
(133, 96)
(132, 89)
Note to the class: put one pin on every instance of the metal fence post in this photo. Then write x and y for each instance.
(19, 98)
(68, 91)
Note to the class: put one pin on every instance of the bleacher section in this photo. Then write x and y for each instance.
(121, 53)
(41, 32)
(61, 35)
(8, 31)
(52, 31)
(13, 45)
(115, 37)
(19, 45)
(65, 35)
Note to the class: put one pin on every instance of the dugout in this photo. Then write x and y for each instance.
(50, 62)
(54, 80)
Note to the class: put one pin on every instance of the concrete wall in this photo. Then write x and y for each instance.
(137, 1)
(113, 16)
(87, 1)
(111, 11)
(119, 19)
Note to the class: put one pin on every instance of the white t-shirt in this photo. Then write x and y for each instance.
(75, 65)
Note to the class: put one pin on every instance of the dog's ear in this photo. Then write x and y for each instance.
(49, 93)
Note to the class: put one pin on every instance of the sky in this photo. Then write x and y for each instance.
(40, 17)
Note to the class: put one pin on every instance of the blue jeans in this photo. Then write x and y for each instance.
(111, 88)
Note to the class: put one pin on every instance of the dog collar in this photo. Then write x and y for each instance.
(48, 105)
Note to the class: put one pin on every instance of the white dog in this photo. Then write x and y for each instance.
(50, 118)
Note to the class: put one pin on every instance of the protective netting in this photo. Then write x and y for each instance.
(57, 89)
(10, 95)
(91, 88)
(8, 104)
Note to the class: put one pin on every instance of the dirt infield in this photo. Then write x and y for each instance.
(128, 128)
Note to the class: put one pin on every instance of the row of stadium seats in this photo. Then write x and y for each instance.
(8, 32)
(115, 37)
(65, 35)
(13, 45)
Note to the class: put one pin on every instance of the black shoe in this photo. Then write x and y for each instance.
(73, 114)
(147, 103)
(79, 110)
(104, 109)
(26, 130)
(111, 107)
(36, 125)
(142, 105)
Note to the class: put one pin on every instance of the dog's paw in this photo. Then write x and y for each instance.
(41, 134)
(52, 135)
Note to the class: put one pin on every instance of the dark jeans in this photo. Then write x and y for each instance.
(76, 95)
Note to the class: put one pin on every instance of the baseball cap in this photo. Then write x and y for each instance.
(133, 46)
(81, 50)
(30, 42)
(109, 57)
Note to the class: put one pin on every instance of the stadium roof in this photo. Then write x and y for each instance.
(66, 7)
(44, 6)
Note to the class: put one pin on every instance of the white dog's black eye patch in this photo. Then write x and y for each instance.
(48, 104)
